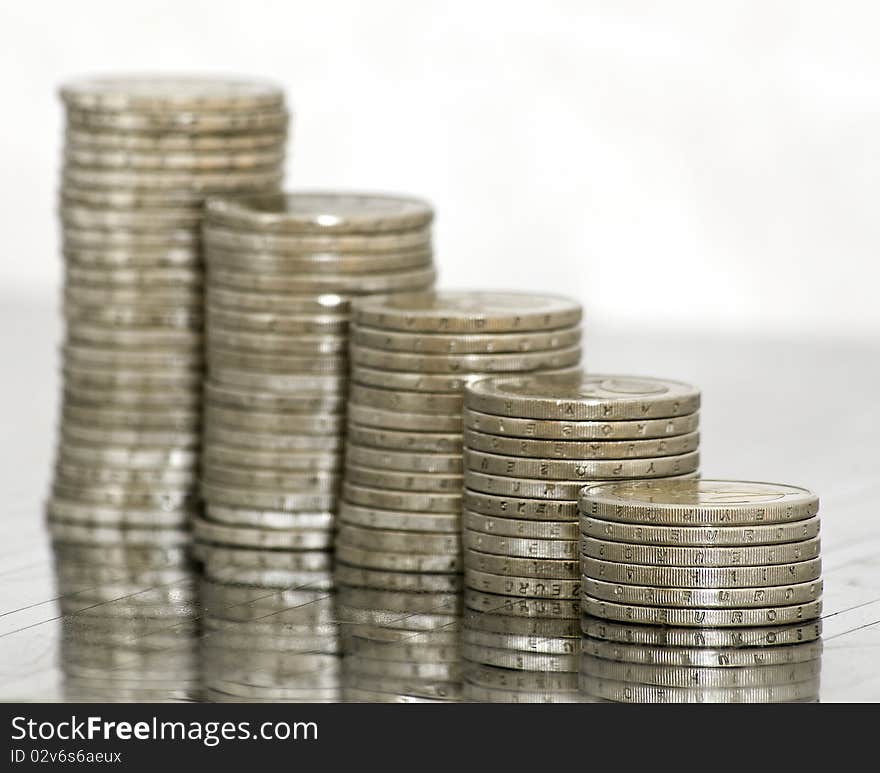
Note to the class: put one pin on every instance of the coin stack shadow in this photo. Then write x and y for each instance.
(281, 272)
(140, 155)
(702, 591)
(530, 445)
(398, 547)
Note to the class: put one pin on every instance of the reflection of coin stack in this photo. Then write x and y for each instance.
(399, 535)
(140, 156)
(700, 591)
(531, 443)
(129, 612)
(269, 643)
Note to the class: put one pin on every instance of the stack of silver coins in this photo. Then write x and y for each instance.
(399, 519)
(263, 643)
(530, 444)
(700, 591)
(140, 156)
(130, 612)
(282, 271)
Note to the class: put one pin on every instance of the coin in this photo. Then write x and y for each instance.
(468, 312)
(699, 502)
(480, 694)
(101, 535)
(72, 511)
(242, 420)
(549, 645)
(268, 322)
(269, 519)
(465, 363)
(376, 282)
(407, 501)
(312, 562)
(253, 499)
(78, 474)
(398, 541)
(391, 419)
(491, 343)
(534, 488)
(218, 455)
(226, 238)
(268, 342)
(333, 383)
(395, 562)
(129, 457)
(750, 555)
(575, 450)
(523, 587)
(521, 661)
(172, 142)
(269, 479)
(519, 507)
(398, 440)
(401, 481)
(480, 675)
(579, 430)
(696, 536)
(266, 442)
(403, 461)
(202, 122)
(513, 527)
(544, 609)
(407, 402)
(272, 401)
(541, 568)
(220, 359)
(270, 263)
(779, 595)
(379, 579)
(629, 692)
(441, 523)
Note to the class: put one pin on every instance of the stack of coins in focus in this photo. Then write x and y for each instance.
(130, 612)
(399, 544)
(140, 156)
(530, 445)
(700, 591)
(264, 643)
(282, 270)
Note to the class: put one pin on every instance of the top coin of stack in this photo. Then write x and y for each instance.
(718, 580)
(140, 155)
(411, 357)
(282, 271)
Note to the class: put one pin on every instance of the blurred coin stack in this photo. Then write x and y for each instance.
(129, 612)
(530, 444)
(268, 643)
(140, 156)
(282, 271)
(700, 591)
(399, 519)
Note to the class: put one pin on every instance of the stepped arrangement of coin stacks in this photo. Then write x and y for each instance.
(140, 156)
(531, 443)
(700, 591)
(399, 544)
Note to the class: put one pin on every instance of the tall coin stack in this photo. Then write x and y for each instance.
(399, 544)
(140, 155)
(282, 270)
(700, 591)
(531, 443)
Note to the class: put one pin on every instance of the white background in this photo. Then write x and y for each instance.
(677, 164)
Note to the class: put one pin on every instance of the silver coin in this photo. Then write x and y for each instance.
(397, 520)
(147, 338)
(131, 198)
(434, 383)
(268, 303)
(479, 675)
(379, 579)
(264, 578)
(403, 461)
(135, 557)
(406, 402)
(406, 501)
(93, 535)
(520, 547)
(386, 540)
(579, 430)
(180, 420)
(271, 479)
(220, 359)
(448, 443)
(129, 457)
(278, 382)
(174, 160)
(279, 324)
(269, 263)
(255, 558)
(465, 363)
(201, 122)
(711, 556)
(548, 645)
(703, 617)
(575, 449)
(258, 606)
(252, 499)
(580, 469)
(702, 577)
(112, 437)
(525, 627)
(480, 694)
(535, 568)
(130, 239)
(377, 282)
(171, 142)
(177, 318)
(243, 420)
(696, 536)
(272, 343)
(513, 527)
(275, 539)
(296, 244)
(532, 488)
(400, 602)
(270, 443)
(270, 402)
(585, 398)
(73, 474)
(703, 657)
(772, 596)
(218, 456)
(469, 312)
(699, 502)
(269, 519)
(544, 609)
(322, 212)
(520, 508)
(127, 381)
(520, 661)
(79, 355)
(414, 422)
(381, 620)
(185, 257)
(630, 692)
(491, 343)
(411, 651)
(401, 481)
(149, 279)
(522, 587)
(71, 511)
(361, 665)
(133, 496)
(395, 562)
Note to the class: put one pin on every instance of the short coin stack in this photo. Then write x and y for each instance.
(399, 519)
(140, 156)
(530, 444)
(716, 581)
(282, 270)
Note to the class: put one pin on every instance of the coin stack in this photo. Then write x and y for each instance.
(700, 591)
(130, 613)
(530, 444)
(263, 643)
(399, 519)
(140, 156)
(282, 270)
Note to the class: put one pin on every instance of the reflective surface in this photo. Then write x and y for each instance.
(97, 622)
